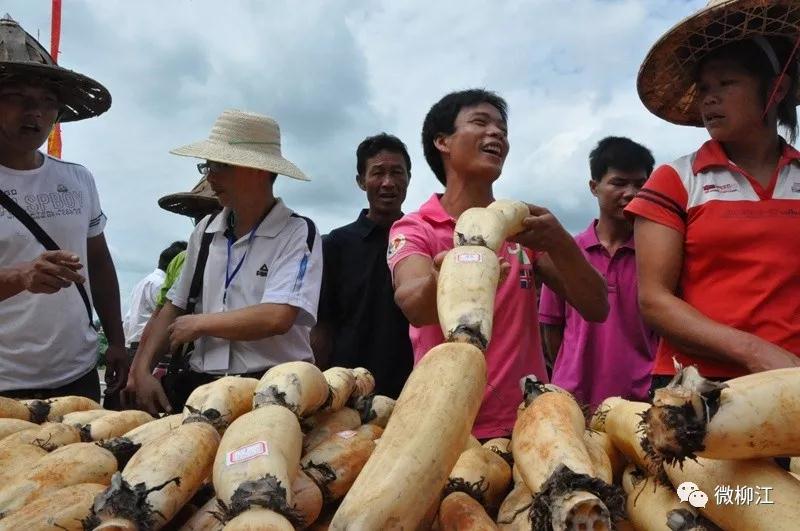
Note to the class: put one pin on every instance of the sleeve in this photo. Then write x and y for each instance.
(551, 307)
(407, 237)
(327, 296)
(173, 272)
(97, 219)
(150, 298)
(295, 277)
(179, 292)
(663, 199)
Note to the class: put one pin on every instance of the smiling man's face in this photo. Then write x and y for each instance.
(27, 114)
(479, 145)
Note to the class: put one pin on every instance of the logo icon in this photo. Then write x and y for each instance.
(62, 189)
(690, 492)
(796, 188)
(395, 245)
(262, 271)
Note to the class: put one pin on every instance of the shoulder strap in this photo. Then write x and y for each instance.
(44, 238)
(202, 257)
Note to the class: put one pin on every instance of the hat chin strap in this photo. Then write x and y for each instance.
(770, 52)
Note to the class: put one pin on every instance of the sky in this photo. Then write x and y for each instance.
(334, 72)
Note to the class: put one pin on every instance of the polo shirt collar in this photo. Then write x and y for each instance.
(711, 154)
(364, 226)
(271, 226)
(588, 238)
(432, 210)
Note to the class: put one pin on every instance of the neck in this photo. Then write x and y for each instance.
(613, 233)
(20, 160)
(250, 212)
(757, 151)
(383, 219)
(462, 194)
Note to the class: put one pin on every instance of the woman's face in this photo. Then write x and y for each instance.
(731, 101)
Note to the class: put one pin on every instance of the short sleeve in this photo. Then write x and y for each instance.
(173, 272)
(330, 274)
(97, 219)
(551, 307)
(178, 294)
(407, 237)
(295, 277)
(663, 199)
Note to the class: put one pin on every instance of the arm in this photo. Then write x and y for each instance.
(105, 291)
(552, 335)
(659, 258)
(415, 279)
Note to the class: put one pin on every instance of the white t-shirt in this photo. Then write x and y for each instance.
(143, 304)
(46, 340)
(281, 265)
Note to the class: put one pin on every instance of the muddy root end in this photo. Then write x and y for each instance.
(122, 500)
(532, 388)
(39, 410)
(476, 490)
(564, 482)
(273, 395)
(508, 457)
(323, 475)
(363, 405)
(266, 492)
(672, 434)
(468, 333)
(122, 448)
(210, 416)
(479, 241)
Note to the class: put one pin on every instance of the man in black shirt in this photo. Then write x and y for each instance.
(359, 324)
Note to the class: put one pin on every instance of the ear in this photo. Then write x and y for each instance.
(593, 187)
(442, 143)
(360, 182)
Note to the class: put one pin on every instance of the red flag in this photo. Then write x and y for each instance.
(54, 140)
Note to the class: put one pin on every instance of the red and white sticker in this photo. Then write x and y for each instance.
(468, 258)
(347, 434)
(246, 453)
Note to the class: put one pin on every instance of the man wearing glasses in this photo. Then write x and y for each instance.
(55, 267)
(261, 278)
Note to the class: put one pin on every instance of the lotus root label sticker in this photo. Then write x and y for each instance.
(246, 453)
(348, 434)
(468, 258)
(397, 243)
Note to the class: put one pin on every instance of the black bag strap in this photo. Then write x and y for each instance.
(45, 239)
(195, 288)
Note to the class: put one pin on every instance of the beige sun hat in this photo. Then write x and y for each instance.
(666, 85)
(22, 57)
(244, 139)
(198, 202)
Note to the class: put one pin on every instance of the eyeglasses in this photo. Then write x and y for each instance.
(24, 101)
(208, 166)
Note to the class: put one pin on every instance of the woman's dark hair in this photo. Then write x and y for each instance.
(754, 60)
(169, 253)
(441, 120)
(373, 145)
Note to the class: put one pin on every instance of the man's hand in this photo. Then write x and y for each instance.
(184, 329)
(542, 232)
(116, 368)
(52, 271)
(146, 391)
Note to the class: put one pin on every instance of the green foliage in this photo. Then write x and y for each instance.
(102, 346)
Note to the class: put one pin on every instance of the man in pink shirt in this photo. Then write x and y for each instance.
(614, 358)
(465, 141)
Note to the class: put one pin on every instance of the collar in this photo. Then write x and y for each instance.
(711, 154)
(432, 210)
(588, 238)
(272, 225)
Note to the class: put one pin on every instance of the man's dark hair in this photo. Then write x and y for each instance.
(619, 153)
(753, 59)
(169, 253)
(441, 120)
(372, 145)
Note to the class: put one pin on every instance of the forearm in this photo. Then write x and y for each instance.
(322, 344)
(694, 334)
(155, 339)
(417, 299)
(105, 295)
(249, 324)
(10, 282)
(582, 285)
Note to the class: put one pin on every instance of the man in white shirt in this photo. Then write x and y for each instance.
(143, 301)
(262, 276)
(48, 344)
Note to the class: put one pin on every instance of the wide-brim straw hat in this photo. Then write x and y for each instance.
(244, 139)
(199, 202)
(666, 78)
(21, 56)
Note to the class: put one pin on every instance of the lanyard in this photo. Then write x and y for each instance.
(228, 275)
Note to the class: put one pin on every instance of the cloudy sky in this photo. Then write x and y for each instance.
(334, 72)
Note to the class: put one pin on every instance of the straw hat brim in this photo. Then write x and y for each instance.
(665, 82)
(240, 155)
(189, 204)
(82, 96)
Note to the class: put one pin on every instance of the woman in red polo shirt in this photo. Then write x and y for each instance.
(717, 232)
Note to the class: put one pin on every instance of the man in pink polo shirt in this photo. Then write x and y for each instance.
(614, 358)
(465, 141)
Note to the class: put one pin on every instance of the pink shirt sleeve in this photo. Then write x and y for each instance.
(409, 235)
(551, 307)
